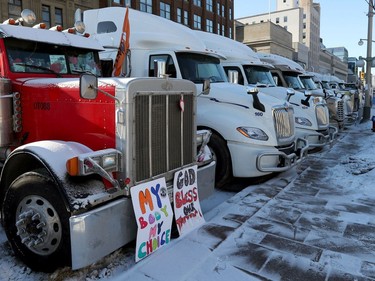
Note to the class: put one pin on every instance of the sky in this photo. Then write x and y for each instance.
(343, 22)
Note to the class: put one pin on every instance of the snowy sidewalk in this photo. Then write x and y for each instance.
(312, 223)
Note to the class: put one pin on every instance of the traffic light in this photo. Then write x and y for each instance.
(362, 75)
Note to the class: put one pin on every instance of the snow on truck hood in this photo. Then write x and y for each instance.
(48, 36)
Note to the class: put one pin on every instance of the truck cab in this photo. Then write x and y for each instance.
(252, 133)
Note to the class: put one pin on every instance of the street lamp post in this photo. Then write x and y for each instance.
(367, 107)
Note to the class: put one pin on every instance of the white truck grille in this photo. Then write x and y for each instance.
(340, 110)
(284, 122)
(322, 115)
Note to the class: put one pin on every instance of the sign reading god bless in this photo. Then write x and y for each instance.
(154, 216)
(187, 209)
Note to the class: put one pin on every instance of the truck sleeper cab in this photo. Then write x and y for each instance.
(252, 134)
(69, 163)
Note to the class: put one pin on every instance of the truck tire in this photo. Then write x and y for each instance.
(36, 222)
(223, 172)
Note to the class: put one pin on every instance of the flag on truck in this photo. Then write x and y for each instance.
(124, 45)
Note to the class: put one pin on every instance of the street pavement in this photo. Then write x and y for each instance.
(314, 222)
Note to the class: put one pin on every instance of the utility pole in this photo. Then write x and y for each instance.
(368, 92)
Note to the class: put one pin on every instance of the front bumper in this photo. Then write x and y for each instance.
(319, 139)
(287, 161)
(259, 160)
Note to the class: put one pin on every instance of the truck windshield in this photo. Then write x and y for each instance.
(308, 82)
(293, 81)
(198, 67)
(258, 75)
(37, 57)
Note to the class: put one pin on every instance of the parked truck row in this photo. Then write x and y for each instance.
(76, 137)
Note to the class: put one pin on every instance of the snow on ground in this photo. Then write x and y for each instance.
(315, 222)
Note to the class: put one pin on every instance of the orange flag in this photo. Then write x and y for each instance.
(124, 45)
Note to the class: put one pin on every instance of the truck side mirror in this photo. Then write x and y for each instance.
(290, 93)
(308, 96)
(233, 76)
(88, 86)
(160, 68)
(206, 87)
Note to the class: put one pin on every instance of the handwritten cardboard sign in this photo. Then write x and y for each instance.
(187, 208)
(154, 216)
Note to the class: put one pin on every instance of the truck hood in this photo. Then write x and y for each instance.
(237, 95)
(300, 110)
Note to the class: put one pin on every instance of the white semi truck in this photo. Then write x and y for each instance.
(252, 133)
(353, 102)
(311, 113)
(335, 104)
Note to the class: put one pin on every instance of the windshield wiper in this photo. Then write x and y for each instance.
(39, 67)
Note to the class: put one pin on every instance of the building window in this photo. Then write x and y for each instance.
(209, 25)
(146, 6)
(304, 36)
(197, 22)
(304, 25)
(230, 13)
(277, 20)
(179, 15)
(198, 3)
(58, 16)
(223, 30)
(285, 19)
(218, 28)
(222, 10)
(209, 6)
(116, 2)
(165, 10)
(230, 33)
(14, 8)
(218, 8)
(46, 15)
(186, 18)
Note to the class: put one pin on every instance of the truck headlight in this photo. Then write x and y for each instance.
(253, 133)
(108, 160)
(317, 100)
(303, 121)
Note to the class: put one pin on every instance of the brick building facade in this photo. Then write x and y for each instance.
(214, 16)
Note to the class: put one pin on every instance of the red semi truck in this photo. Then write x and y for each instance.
(68, 162)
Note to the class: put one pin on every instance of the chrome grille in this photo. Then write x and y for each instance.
(284, 122)
(164, 134)
(340, 110)
(322, 114)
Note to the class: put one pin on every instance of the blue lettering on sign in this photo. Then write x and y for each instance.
(258, 113)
